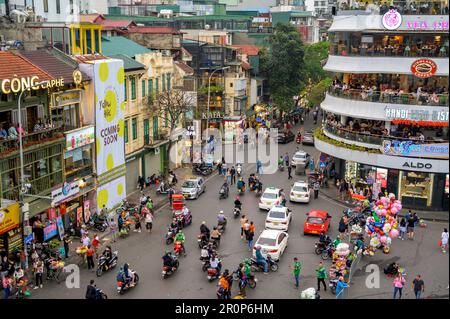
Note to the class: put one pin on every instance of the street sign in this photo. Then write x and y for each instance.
(322, 165)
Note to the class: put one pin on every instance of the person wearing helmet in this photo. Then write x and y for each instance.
(204, 230)
(260, 260)
(168, 259)
(221, 219)
(181, 238)
(241, 184)
(238, 203)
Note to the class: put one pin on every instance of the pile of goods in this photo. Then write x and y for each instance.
(56, 264)
(309, 293)
(381, 227)
(340, 257)
(81, 250)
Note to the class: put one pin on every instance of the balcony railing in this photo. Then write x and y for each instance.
(401, 51)
(392, 98)
(10, 145)
(409, 7)
(372, 139)
(260, 30)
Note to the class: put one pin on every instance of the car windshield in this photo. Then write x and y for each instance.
(266, 241)
(299, 156)
(275, 214)
(315, 220)
(300, 189)
(270, 196)
(189, 184)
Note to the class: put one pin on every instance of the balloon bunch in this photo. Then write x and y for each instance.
(381, 226)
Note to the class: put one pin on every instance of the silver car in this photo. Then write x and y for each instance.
(308, 138)
(192, 188)
(300, 158)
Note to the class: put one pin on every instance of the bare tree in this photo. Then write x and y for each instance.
(171, 106)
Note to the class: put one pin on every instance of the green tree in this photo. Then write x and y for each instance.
(282, 66)
(315, 54)
(317, 93)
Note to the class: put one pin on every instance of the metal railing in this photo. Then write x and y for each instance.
(10, 145)
(345, 50)
(392, 98)
(369, 138)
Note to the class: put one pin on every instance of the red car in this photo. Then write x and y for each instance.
(317, 221)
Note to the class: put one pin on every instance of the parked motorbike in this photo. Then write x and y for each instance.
(99, 224)
(168, 271)
(333, 285)
(104, 264)
(122, 288)
(281, 168)
(202, 169)
(164, 188)
(272, 264)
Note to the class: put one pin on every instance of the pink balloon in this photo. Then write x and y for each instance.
(383, 240)
(394, 210)
(393, 233)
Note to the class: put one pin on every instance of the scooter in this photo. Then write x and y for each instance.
(170, 236)
(104, 264)
(122, 288)
(223, 193)
(298, 140)
(236, 212)
(99, 224)
(241, 191)
(212, 273)
(202, 241)
(168, 271)
(272, 264)
(163, 189)
(239, 170)
(328, 252)
(221, 226)
(178, 248)
(251, 280)
(321, 246)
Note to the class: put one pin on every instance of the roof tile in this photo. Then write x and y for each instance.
(14, 65)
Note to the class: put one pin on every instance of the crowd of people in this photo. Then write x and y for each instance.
(384, 93)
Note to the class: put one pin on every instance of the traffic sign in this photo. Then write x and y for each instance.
(323, 165)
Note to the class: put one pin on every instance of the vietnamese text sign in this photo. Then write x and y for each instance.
(50, 231)
(67, 190)
(9, 218)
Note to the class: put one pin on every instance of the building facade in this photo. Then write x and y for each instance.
(386, 122)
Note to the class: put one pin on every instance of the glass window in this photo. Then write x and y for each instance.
(266, 241)
(134, 128)
(143, 88)
(125, 89)
(126, 131)
(46, 6)
(163, 82)
(168, 81)
(133, 88)
(415, 188)
(150, 87)
(146, 130)
(157, 87)
(58, 6)
(155, 127)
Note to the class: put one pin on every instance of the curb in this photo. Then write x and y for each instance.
(430, 219)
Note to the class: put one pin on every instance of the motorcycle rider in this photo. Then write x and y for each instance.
(260, 260)
(173, 227)
(107, 253)
(324, 239)
(168, 260)
(181, 238)
(215, 263)
(221, 219)
(125, 277)
(186, 212)
(215, 234)
(238, 203)
(204, 230)
(258, 185)
(251, 181)
(241, 185)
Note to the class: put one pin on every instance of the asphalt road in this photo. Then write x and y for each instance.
(143, 252)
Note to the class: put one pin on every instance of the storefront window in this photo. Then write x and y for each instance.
(415, 188)
(350, 170)
(79, 160)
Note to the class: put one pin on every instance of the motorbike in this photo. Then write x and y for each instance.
(298, 140)
(355, 217)
(122, 288)
(328, 252)
(221, 226)
(239, 170)
(302, 120)
(202, 169)
(272, 264)
(212, 273)
(178, 248)
(320, 247)
(168, 271)
(223, 193)
(205, 263)
(236, 212)
(104, 264)
(170, 236)
(163, 189)
(251, 280)
(202, 241)
(99, 224)
(184, 220)
(333, 285)
(215, 243)
(241, 191)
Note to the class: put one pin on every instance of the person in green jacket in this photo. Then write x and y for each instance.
(181, 238)
(297, 267)
(336, 242)
(321, 274)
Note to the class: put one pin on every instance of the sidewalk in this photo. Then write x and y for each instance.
(437, 216)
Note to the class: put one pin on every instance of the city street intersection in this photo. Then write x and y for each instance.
(143, 251)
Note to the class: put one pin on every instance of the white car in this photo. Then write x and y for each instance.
(270, 197)
(300, 192)
(300, 158)
(279, 217)
(272, 242)
(193, 187)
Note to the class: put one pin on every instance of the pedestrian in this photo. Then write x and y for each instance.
(342, 227)
(90, 257)
(6, 286)
(66, 242)
(38, 268)
(113, 226)
(91, 291)
(341, 285)
(249, 237)
(95, 244)
(149, 221)
(229, 278)
(141, 183)
(86, 240)
(229, 178)
(243, 221)
(224, 169)
(316, 188)
(251, 228)
(137, 222)
(444, 240)
(297, 267)
(233, 175)
(258, 167)
(418, 286)
(170, 193)
(399, 282)
(219, 168)
(341, 189)
(411, 223)
(402, 229)
(286, 159)
(289, 172)
(321, 275)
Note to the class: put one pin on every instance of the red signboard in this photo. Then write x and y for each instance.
(423, 68)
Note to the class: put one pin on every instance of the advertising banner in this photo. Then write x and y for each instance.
(50, 231)
(109, 80)
(80, 137)
(412, 149)
(9, 218)
(60, 225)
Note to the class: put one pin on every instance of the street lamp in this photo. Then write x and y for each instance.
(22, 187)
(209, 92)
